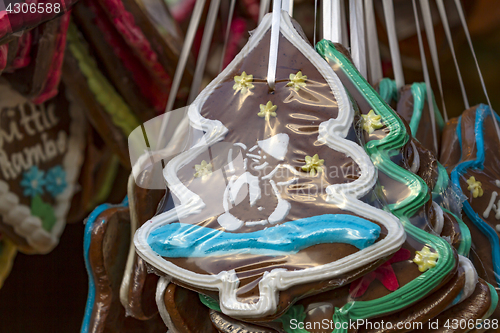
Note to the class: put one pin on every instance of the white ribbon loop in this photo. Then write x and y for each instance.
(273, 49)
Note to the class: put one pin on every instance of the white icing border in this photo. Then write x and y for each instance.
(438, 228)
(471, 279)
(131, 254)
(161, 287)
(19, 216)
(333, 133)
(415, 165)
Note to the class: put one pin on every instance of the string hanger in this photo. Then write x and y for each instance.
(358, 51)
(469, 40)
(447, 31)
(426, 77)
(273, 49)
(390, 22)
(374, 61)
(431, 40)
(278, 6)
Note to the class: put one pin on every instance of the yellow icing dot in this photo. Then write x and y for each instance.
(267, 110)
(425, 259)
(203, 169)
(313, 164)
(475, 187)
(371, 122)
(243, 82)
(297, 81)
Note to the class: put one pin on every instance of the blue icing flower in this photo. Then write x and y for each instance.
(33, 182)
(176, 240)
(55, 181)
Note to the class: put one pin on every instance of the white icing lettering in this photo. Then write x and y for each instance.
(6, 167)
(11, 135)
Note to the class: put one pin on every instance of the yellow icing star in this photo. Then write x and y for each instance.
(475, 187)
(267, 110)
(203, 169)
(371, 122)
(313, 164)
(425, 259)
(243, 82)
(297, 81)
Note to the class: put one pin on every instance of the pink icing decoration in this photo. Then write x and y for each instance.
(384, 273)
(23, 57)
(54, 76)
(156, 93)
(134, 37)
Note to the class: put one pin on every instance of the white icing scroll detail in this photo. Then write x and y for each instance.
(492, 206)
(345, 196)
(288, 182)
(254, 156)
(242, 145)
(438, 228)
(415, 165)
(262, 166)
(253, 187)
(497, 183)
(276, 146)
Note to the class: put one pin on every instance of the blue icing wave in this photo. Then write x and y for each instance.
(86, 247)
(481, 113)
(180, 240)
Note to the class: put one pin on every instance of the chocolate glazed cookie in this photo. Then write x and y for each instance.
(107, 239)
(137, 288)
(473, 160)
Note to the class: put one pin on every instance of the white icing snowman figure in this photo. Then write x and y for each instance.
(276, 146)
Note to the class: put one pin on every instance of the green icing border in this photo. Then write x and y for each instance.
(380, 153)
(466, 239)
(102, 89)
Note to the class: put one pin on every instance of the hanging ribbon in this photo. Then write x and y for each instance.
(446, 26)
(426, 78)
(264, 8)
(469, 40)
(358, 51)
(288, 6)
(206, 40)
(393, 43)
(431, 40)
(186, 48)
(273, 50)
(332, 23)
(374, 62)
